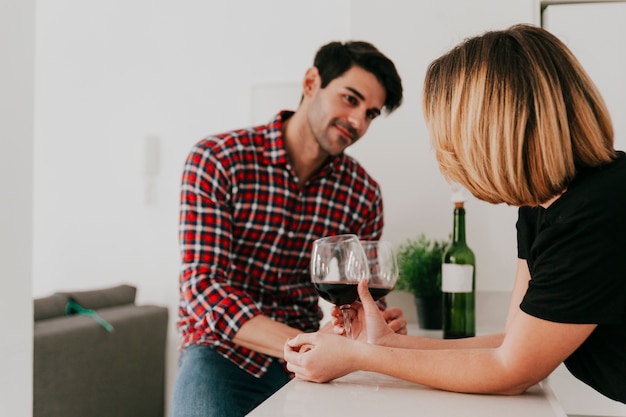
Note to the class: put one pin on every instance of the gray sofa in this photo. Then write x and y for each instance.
(83, 369)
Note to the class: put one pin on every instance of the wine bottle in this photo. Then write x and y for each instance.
(458, 282)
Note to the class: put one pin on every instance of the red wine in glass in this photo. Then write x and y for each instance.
(338, 263)
(383, 267)
(340, 293)
(379, 291)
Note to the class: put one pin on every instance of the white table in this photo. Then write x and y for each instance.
(364, 394)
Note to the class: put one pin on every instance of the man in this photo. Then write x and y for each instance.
(252, 203)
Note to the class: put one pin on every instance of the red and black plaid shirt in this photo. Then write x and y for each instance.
(246, 229)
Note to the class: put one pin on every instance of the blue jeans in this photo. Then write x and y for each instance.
(208, 385)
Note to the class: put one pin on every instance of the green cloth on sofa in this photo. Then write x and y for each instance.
(72, 307)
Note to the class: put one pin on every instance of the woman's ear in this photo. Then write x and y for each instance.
(311, 82)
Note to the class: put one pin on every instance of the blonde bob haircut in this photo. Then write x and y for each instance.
(513, 116)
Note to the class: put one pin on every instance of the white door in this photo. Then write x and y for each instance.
(596, 34)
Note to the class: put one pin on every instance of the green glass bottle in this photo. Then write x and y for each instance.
(458, 282)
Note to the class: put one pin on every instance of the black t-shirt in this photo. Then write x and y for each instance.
(576, 253)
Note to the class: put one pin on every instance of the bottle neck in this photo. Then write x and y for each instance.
(458, 232)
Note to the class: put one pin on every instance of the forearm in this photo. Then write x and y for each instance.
(469, 371)
(264, 335)
(531, 350)
(425, 343)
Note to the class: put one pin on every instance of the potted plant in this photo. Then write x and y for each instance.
(419, 262)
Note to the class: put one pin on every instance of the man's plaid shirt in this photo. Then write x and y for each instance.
(246, 231)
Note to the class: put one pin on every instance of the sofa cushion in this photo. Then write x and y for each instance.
(49, 307)
(54, 305)
(103, 298)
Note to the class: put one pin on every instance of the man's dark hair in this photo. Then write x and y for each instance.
(334, 59)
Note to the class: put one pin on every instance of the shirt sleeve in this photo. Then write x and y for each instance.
(205, 236)
(526, 224)
(574, 262)
(372, 229)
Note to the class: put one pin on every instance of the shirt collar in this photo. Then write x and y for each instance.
(276, 153)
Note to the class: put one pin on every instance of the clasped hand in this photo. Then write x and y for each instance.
(323, 356)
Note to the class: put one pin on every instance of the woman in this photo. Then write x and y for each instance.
(515, 119)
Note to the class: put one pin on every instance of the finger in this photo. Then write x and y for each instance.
(392, 313)
(287, 353)
(292, 367)
(305, 348)
(366, 297)
(294, 360)
(398, 325)
(293, 355)
(395, 320)
(299, 340)
(403, 331)
(339, 329)
(289, 347)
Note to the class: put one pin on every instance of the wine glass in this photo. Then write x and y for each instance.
(338, 263)
(383, 267)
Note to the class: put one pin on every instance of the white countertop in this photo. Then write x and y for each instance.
(366, 394)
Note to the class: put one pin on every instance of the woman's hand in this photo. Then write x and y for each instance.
(369, 324)
(319, 357)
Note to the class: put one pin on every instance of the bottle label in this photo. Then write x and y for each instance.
(457, 278)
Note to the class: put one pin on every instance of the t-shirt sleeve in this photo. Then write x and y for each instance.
(526, 225)
(577, 274)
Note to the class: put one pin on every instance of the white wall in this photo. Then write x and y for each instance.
(17, 40)
(606, 65)
(110, 74)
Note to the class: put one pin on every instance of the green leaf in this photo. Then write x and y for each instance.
(419, 261)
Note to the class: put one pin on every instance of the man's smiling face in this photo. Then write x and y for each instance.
(340, 114)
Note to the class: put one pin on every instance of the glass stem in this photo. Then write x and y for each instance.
(347, 322)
